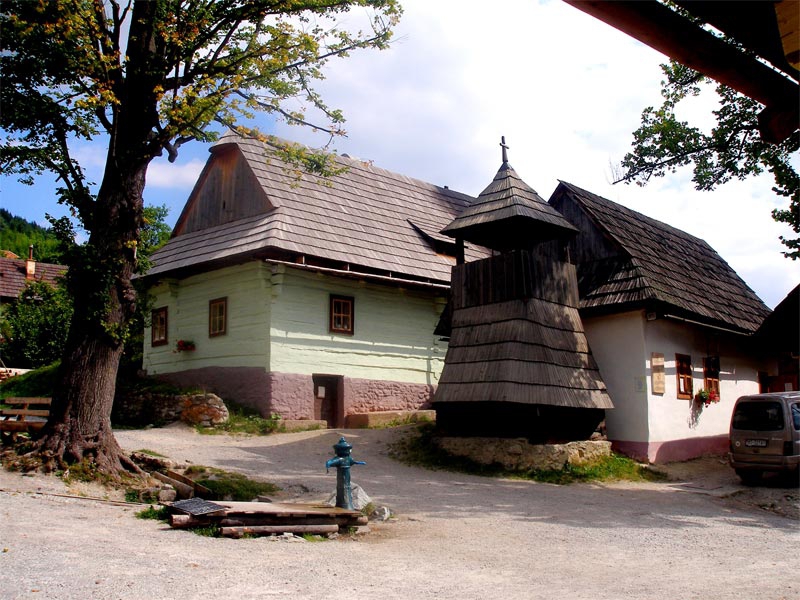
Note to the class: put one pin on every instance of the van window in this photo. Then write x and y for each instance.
(796, 415)
(760, 416)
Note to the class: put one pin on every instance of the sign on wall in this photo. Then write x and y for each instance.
(657, 372)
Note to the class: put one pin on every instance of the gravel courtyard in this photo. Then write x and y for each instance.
(454, 535)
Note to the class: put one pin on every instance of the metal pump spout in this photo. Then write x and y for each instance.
(343, 461)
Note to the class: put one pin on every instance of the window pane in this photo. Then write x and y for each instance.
(217, 316)
(158, 326)
(341, 314)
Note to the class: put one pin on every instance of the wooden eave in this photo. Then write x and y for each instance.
(682, 39)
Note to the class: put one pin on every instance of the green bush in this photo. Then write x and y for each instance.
(34, 328)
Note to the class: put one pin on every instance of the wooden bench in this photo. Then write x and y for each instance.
(15, 419)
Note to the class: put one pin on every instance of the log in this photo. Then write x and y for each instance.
(185, 521)
(183, 490)
(237, 532)
(199, 489)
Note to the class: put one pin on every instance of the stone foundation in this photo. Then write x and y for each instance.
(248, 386)
(147, 408)
(520, 455)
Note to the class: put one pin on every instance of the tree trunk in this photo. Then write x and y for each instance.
(100, 281)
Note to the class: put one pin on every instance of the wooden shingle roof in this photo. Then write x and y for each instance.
(625, 258)
(366, 217)
(509, 214)
(517, 336)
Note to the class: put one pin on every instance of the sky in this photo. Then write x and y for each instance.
(566, 91)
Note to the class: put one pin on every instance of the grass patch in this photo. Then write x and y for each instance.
(39, 382)
(417, 449)
(244, 420)
(225, 485)
(403, 421)
(207, 531)
(151, 512)
(151, 453)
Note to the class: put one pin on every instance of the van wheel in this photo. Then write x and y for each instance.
(749, 477)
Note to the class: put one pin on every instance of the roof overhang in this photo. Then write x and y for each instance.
(769, 32)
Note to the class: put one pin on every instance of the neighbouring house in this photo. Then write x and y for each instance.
(308, 298)
(780, 334)
(15, 273)
(665, 317)
(318, 299)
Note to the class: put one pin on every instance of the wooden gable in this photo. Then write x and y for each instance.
(226, 191)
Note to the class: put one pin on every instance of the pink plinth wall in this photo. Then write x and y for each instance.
(368, 395)
(248, 386)
(292, 396)
(675, 450)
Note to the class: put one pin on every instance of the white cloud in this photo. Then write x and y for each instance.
(164, 175)
(566, 90)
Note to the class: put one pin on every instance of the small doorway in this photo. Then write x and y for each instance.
(327, 399)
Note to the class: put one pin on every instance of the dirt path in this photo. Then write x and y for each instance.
(455, 536)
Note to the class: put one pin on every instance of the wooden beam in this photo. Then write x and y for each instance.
(666, 31)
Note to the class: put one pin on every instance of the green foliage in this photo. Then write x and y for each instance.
(17, 234)
(40, 382)
(34, 329)
(226, 485)
(244, 420)
(151, 512)
(418, 449)
(732, 149)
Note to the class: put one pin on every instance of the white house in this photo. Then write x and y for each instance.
(665, 317)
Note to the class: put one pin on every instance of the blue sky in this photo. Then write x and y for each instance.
(565, 89)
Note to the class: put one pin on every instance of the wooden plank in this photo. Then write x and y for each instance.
(24, 412)
(31, 400)
(237, 532)
(285, 508)
(183, 490)
(199, 489)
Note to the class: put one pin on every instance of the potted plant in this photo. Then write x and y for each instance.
(707, 397)
(184, 346)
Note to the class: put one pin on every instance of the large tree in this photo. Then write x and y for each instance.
(731, 148)
(147, 76)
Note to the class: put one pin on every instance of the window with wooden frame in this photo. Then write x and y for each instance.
(342, 317)
(217, 317)
(711, 374)
(158, 327)
(683, 372)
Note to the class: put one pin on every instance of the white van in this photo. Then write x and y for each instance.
(765, 435)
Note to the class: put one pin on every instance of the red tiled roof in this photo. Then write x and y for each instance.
(12, 275)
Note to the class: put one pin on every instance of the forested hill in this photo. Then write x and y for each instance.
(16, 234)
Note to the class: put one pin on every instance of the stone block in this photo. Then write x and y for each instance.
(388, 417)
(290, 425)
